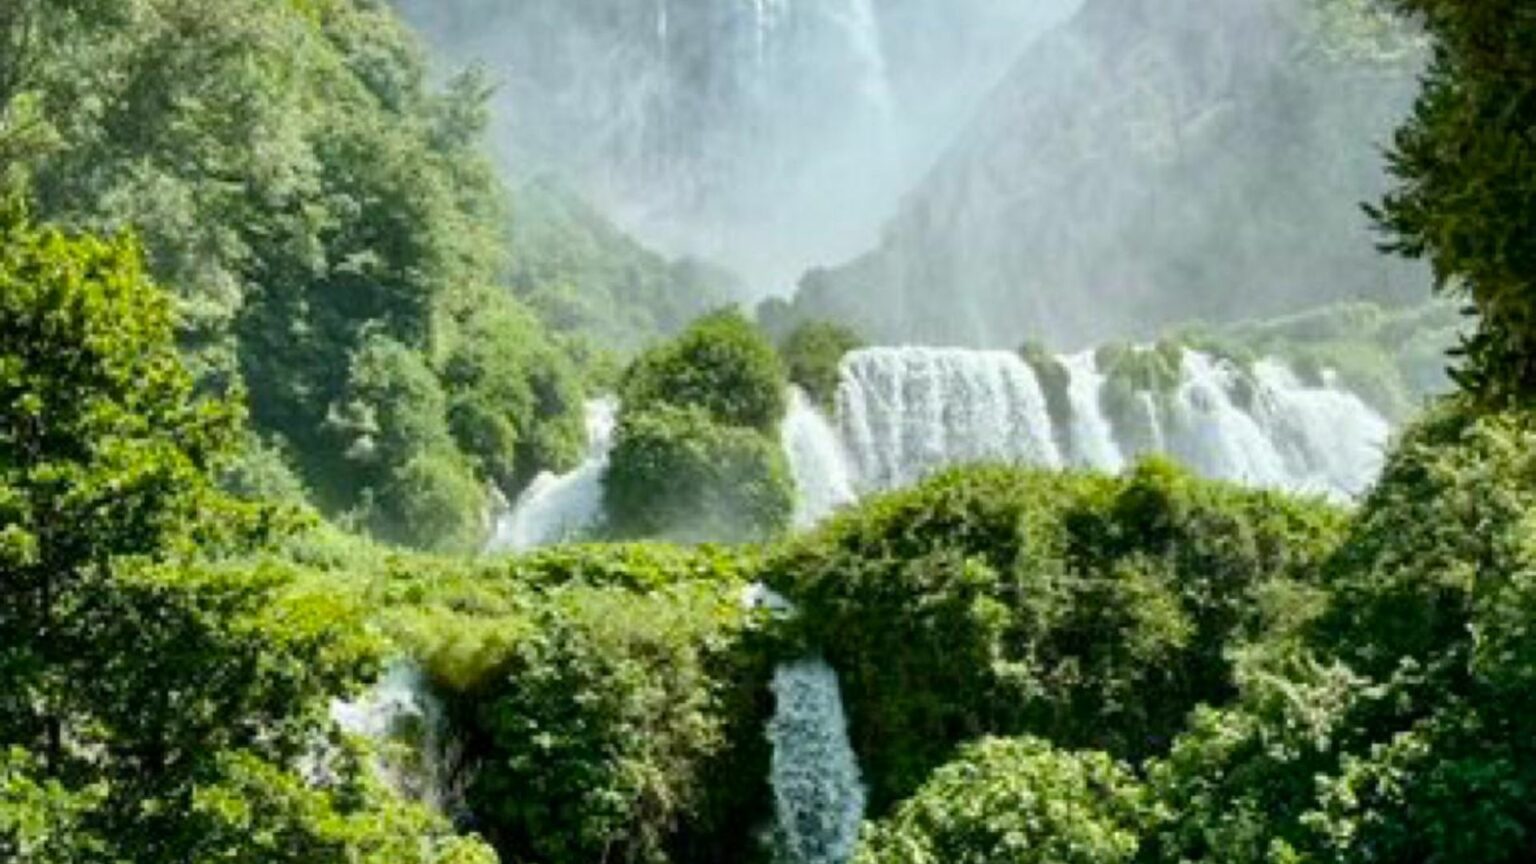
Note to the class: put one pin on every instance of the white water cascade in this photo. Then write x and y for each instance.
(817, 790)
(559, 507)
(816, 460)
(402, 717)
(906, 412)
(1092, 437)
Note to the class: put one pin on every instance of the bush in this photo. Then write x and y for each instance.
(432, 502)
(722, 365)
(609, 700)
(813, 355)
(1089, 611)
(675, 474)
(1015, 802)
(1395, 726)
(514, 399)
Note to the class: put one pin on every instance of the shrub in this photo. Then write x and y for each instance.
(609, 700)
(813, 354)
(721, 365)
(1395, 726)
(1015, 802)
(675, 474)
(1090, 611)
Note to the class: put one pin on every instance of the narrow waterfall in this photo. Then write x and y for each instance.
(817, 790)
(823, 477)
(1093, 440)
(555, 508)
(862, 25)
(406, 722)
(904, 412)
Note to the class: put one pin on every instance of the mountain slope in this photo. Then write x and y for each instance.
(1147, 163)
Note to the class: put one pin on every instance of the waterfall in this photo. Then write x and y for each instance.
(862, 26)
(817, 791)
(555, 508)
(905, 412)
(823, 478)
(1093, 441)
(1327, 435)
(1212, 435)
(407, 723)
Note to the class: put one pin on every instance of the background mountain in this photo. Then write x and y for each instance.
(1146, 163)
(768, 135)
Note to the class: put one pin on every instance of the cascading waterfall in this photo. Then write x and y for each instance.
(555, 508)
(816, 460)
(407, 723)
(818, 793)
(906, 412)
(862, 25)
(1093, 440)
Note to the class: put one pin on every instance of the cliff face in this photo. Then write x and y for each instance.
(766, 134)
(1146, 163)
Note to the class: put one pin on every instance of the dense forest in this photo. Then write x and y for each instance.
(292, 366)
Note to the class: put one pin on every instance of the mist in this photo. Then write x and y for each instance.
(1146, 164)
(769, 136)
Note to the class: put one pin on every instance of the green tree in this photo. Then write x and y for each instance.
(1466, 193)
(722, 364)
(812, 355)
(676, 474)
(141, 669)
(1015, 802)
(305, 191)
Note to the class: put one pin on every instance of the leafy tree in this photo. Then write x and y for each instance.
(812, 354)
(141, 670)
(1396, 725)
(1015, 802)
(515, 401)
(675, 474)
(1093, 612)
(722, 364)
(305, 190)
(1466, 193)
(610, 699)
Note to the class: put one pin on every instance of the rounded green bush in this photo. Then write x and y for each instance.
(1015, 802)
(722, 365)
(676, 474)
(813, 354)
(1091, 611)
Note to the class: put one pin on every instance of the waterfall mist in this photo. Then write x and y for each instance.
(1148, 163)
(767, 135)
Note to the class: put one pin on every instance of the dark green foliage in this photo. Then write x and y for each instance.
(308, 195)
(1397, 725)
(144, 688)
(1016, 802)
(812, 355)
(515, 401)
(722, 365)
(1090, 611)
(676, 474)
(610, 699)
(696, 456)
(1466, 187)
